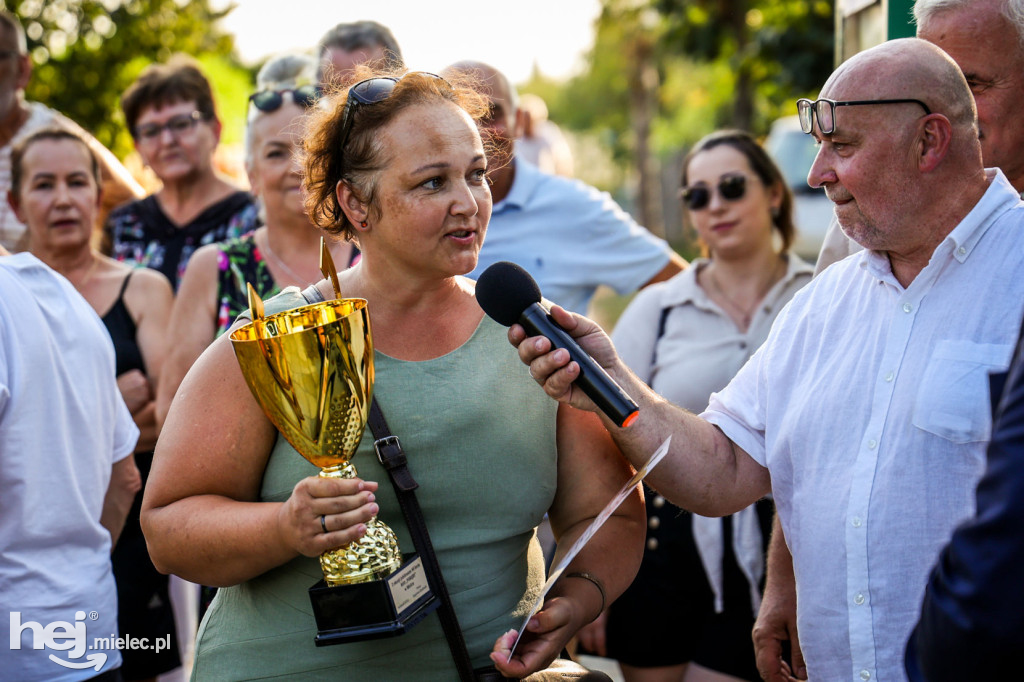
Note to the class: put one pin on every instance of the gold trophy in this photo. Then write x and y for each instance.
(311, 370)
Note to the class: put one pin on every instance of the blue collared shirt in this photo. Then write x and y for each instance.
(571, 238)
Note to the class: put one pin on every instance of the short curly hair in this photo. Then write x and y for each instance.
(326, 163)
(159, 85)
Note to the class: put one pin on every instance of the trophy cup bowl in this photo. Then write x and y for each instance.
(311, 370)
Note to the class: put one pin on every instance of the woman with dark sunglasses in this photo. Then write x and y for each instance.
(170, 113)
(397, 164)
(284, 252)
(689, 614)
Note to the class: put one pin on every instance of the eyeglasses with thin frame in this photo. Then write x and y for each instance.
(178, 125)
(371, 91)
(271, 100)
(825, 111)
(730, 187)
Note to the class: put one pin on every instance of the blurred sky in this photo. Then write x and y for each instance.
(511, 35)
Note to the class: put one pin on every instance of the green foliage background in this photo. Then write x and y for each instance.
(85, 53)
(705, 54)
(788, 53)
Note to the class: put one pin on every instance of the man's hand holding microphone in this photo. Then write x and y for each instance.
(567, 354)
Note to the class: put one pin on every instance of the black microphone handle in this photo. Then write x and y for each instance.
(595, 382)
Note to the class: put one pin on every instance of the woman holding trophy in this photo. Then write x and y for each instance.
(397, 164)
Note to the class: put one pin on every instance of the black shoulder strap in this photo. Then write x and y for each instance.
(661, 332)
(390, 453)
(124, 284)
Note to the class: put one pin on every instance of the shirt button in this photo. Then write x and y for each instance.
(890, 376)
(865, 674)
(961, 250)
(652, 543)
(856, 522)
(907, 307)
(653, 522)
(859, 599)
(872, 444)
(659, 501)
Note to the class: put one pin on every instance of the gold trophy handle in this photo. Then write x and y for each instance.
(327, 267)
(259, 322)
(255, 304)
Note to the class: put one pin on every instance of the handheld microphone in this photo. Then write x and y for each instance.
(508, 294)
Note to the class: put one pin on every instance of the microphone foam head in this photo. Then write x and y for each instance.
(505, 290)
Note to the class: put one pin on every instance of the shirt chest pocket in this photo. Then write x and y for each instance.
(953, 398)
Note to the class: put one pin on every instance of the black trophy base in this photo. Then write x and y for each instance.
(381, 608)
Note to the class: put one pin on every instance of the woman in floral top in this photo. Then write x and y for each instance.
(284, 252)
(171, 116)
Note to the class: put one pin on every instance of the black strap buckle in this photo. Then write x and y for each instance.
(388, 461)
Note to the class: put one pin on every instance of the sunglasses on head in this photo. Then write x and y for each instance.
(371, 91)
(731, 187)
(271, 100)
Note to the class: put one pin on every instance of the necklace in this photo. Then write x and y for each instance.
(744, 313)
(279, 262)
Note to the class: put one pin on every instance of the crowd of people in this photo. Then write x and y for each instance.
(842, 497)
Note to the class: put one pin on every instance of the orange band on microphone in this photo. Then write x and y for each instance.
(630, 419)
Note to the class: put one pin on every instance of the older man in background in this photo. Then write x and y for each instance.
(568, 235)
(345, 46)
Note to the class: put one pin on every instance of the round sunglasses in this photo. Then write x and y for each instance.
(731, 187)
(271, 100)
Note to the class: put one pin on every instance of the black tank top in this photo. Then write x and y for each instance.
(121, 328)
(127, 356)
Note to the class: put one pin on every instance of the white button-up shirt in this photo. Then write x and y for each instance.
(869, 405)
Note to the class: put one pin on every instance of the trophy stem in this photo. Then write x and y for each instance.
(372, 557)
(345, 470)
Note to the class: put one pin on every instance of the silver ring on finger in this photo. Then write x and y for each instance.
(323, 523)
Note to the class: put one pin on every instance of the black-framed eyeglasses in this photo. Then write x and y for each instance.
(731, 187)
(178, 125)
(371, 91)
(825, 111)
(271, 100)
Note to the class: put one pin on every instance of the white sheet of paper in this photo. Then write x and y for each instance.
(619, 498)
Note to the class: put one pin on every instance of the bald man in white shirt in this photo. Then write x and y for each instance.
(865, 412)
